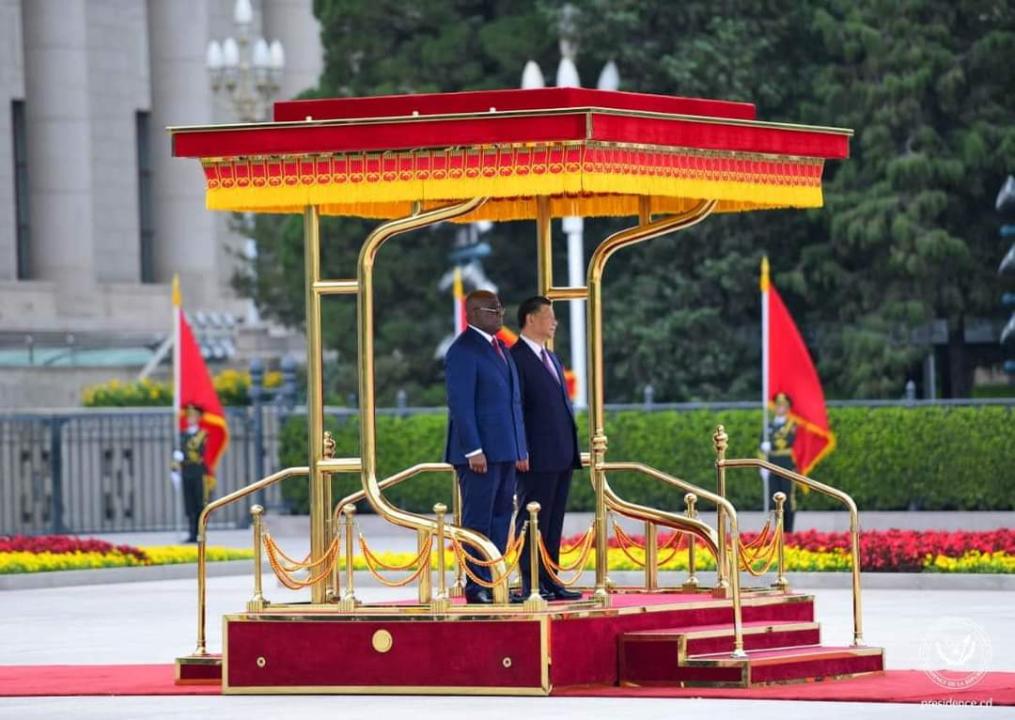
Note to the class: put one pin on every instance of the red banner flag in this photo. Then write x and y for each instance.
(790, 370)
(194, 387)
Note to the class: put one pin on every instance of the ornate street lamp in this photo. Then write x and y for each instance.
(248, 71)
(574, 227)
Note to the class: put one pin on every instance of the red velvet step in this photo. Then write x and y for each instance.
(645, 664)
(705, 639)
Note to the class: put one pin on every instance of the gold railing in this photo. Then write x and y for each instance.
(690, 525)
(854, 520)
(202, 541)
(423, 534)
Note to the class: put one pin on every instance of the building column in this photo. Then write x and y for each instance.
(185, 232)
(292, 22)
(59, 150)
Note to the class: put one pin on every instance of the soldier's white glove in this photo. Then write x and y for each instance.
(766, 447)
(174, 476)
(178, 455)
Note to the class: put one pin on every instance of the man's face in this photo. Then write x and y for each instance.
(781, 407)
(542, 324)
(193, 416)
(486, 313)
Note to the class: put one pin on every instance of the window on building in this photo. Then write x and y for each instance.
(146, 225)
(23, 230)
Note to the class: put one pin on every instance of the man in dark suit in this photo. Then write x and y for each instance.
(486, 435)
(551, 434)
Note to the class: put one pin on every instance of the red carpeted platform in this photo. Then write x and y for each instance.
(63, 680)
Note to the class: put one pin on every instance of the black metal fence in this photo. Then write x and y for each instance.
(108, 471)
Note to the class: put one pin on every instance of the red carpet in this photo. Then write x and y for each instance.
(894, 686)
(900, 686)
(53, 680)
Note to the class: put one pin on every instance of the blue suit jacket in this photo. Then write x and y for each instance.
(549, 420)
(484, 403)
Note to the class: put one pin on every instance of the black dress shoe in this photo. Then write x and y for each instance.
(562, 593)
(517, 597)
(478, 597)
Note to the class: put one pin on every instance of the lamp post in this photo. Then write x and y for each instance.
(574, 227)
(248, 70)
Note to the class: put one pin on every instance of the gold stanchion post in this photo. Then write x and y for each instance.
(425, 576)
(651, 555)
(349, 602)
(458, 589)
(781, 583)
(257, 602)
(720, 441)
(691, 500)
(441, 603)
(534, 601)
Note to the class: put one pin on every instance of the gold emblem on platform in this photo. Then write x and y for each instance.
(261, 662)
(382, 641)
(506, 662)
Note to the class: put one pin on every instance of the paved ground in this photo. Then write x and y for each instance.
(152, 622)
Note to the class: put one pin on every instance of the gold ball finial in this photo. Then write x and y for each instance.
(256, 510)
(440, 508)
(779, 497)
(720, 439)
(533, 507)
(690, 499)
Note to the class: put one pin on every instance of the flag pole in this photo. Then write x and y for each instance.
(177, 387)
(458, 294)
(764, 367)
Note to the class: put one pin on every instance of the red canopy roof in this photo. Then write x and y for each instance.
(592, 152)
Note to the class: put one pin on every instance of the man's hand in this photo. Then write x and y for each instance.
(522, 465)
(766, 447)
(477, 463)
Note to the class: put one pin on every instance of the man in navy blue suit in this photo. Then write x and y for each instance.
(486, 434)
(551, 434)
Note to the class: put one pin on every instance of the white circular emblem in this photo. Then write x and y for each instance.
(955, 652)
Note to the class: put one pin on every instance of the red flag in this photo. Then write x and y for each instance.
(791, 370)
(194, 386)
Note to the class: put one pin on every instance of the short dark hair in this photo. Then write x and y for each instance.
(529, 306)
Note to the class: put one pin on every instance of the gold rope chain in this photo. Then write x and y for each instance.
(422, 560)
(285, 577)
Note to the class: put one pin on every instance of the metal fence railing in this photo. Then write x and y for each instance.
(108, 471)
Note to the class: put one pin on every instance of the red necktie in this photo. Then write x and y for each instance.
(496, 346)
(549, 366)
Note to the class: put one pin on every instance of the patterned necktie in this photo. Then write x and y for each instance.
(549, 365)
(496, 346)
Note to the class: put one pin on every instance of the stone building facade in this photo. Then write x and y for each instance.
(95, 216)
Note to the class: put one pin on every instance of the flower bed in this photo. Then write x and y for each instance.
(810, 551)
(45, 553)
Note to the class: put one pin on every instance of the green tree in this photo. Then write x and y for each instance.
(910, 222)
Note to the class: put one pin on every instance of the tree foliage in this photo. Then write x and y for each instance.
(908, 233)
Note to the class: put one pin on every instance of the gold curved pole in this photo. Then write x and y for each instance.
(202, 540)
(399, 477)
(367, 408)
(594, 312)
(695, 527)
(854, 526)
